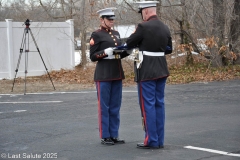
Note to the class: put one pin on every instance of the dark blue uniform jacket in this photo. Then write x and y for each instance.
(106, 69)
(152, 36)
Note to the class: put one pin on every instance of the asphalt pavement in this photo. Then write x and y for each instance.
(202, 123)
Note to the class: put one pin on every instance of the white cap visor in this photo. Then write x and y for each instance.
(107, 12)
(146, 4)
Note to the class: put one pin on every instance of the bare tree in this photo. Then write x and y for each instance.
(196, 19)
(235, 29)
(70, 9)
(218, 31)
(83, 36)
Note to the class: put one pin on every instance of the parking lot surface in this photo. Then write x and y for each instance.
(202, 122)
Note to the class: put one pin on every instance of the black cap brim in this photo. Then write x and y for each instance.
(140, 10)
(110, 17)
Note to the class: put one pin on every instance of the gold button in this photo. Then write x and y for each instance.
(114, 39)
(112, 36)
(110, 32)
(115, 43)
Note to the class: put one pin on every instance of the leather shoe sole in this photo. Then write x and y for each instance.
(117, 140)
(142, 146)
(107, 141)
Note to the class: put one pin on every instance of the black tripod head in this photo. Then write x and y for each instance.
(27, 23)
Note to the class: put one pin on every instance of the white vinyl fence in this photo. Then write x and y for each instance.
(55, 41)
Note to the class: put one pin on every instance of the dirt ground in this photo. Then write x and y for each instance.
(39, 85)
(63, 81)
(82, 78)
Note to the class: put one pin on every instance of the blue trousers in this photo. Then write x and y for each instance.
(109, 95)
(151, 100)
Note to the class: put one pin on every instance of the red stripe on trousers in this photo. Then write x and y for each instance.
(144, 115)
(99, 111)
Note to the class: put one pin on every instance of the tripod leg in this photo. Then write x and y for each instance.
(42, 59)
(19, 58)
(26, 60)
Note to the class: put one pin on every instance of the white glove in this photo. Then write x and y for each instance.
(129, 51)
(108, 51)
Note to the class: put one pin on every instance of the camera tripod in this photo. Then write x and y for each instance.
(25, 47)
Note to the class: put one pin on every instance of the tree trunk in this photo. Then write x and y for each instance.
(218, 30)
(235, 30)
(83, 48)
(83, 37)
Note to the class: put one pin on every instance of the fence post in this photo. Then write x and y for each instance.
(71, 28)
(10, 48)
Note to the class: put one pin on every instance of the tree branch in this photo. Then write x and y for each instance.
(55, 17)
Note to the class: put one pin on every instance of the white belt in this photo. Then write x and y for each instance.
(116, 56)
(110, 57)
(153, 53)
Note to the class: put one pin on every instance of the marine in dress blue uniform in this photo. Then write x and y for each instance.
(108, 76)
(152, 37)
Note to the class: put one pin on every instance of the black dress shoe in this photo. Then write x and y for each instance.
(107, 141)
(161, 147)
(117, 140)
(142, 146)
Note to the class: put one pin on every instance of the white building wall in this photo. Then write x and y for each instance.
(3, 50)
(55, 41)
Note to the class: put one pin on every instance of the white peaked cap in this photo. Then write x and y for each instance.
(106, 12)
(146, 4)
